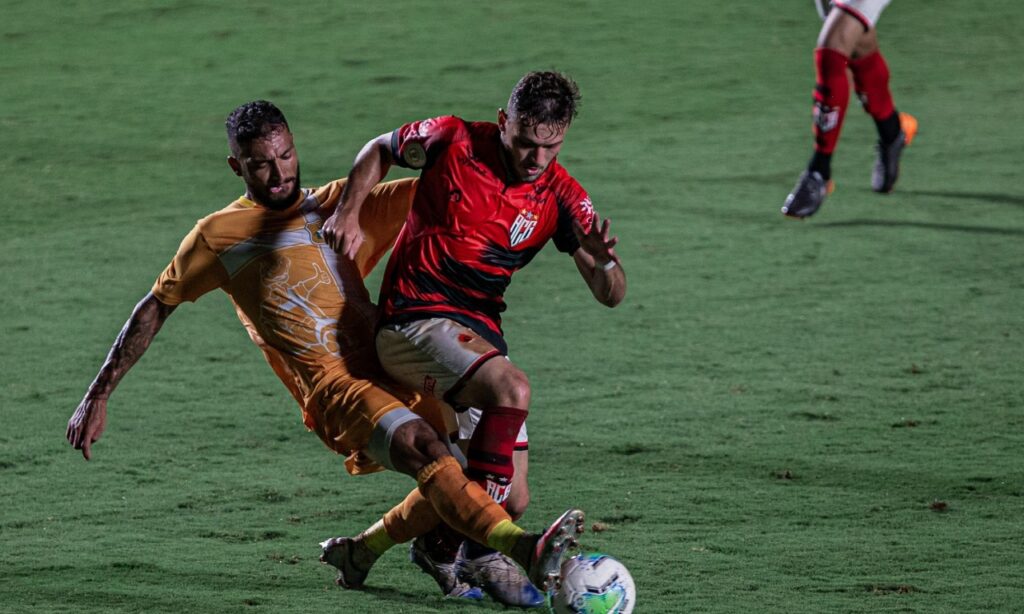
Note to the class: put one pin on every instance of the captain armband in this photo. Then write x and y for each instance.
(414, 155)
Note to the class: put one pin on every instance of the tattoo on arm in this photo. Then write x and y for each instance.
(131, 343)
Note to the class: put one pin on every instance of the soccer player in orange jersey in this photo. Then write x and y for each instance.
(848, 41)
(309, 311)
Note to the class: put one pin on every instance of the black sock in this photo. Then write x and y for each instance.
(888, 128)
(821, 163)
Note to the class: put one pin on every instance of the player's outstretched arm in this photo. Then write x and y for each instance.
(90, 418)
(598, 263)
(341, 230)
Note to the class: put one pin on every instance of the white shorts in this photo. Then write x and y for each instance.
(866, 11)
(436, 357)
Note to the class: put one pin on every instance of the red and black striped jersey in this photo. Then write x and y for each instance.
(471, 227)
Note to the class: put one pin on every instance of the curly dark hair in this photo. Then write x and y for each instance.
(544, 98)
(253, 120)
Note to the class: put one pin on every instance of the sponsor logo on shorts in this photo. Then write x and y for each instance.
(429, 384)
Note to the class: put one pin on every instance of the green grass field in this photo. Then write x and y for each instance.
(818, 416)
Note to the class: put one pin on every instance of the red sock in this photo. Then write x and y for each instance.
(491, 447)
(871, 80)
(831, 95)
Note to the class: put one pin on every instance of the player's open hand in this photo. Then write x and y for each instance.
(87, 425)
(595, 240)
(342, 232)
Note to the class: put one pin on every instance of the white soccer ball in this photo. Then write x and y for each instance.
(594, 583)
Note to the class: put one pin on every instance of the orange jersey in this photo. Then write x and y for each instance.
(304, 305)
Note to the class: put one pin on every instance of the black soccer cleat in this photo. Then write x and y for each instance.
(887, 159)
(807, 195)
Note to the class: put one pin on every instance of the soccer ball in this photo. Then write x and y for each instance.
(594, 583)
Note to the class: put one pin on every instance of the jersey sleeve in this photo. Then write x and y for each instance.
(416, 145)
(194, 271)
(382, 218)
(573, 205)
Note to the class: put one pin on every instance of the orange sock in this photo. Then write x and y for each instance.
(411, 518)
(463, 504)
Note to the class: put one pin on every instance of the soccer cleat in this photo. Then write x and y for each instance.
(807, 195)
(441, 567)
(500, 578)
(887, 160)
(546, 554)
(350, 557)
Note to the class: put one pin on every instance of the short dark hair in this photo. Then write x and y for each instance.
(544, 98)
(253, 120)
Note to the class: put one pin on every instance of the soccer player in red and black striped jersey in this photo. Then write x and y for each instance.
(490, 197)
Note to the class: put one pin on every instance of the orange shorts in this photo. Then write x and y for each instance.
(344, 409)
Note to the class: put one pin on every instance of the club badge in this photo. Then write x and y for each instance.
(522, 227)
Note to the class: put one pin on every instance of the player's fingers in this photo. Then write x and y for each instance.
(74, 435)
(357, 242)
(610, 243)
(86, 450)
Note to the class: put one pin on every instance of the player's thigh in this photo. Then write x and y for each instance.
(435, 357)
(358, 417)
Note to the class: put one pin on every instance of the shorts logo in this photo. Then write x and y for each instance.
(429, 384)
(826, 118)
(523, 227)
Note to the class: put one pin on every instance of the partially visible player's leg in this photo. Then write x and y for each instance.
(836, 42)
(519, 496)
(484, 567)
(452, 362)
(895, 130)
(502, 392)
(396, 438)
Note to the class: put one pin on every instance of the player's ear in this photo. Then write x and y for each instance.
(502, 119)
(235, 165)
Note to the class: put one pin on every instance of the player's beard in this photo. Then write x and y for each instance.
(282, 201)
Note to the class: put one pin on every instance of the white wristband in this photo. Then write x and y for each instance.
(611, 264)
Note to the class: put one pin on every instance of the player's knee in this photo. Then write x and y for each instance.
(866, 45)
(514, 390)
(841, 32)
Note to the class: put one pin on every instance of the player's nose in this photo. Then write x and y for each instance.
(276, 172)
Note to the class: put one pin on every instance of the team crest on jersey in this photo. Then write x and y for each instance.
(523, 227)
